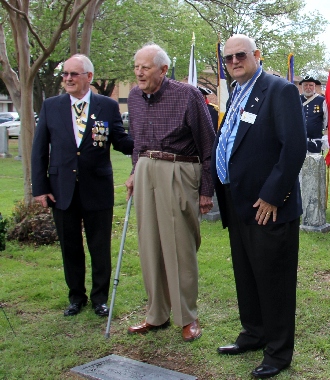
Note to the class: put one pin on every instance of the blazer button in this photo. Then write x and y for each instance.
(78, 153)
(75, 171)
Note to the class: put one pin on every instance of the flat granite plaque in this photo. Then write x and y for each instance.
(115, 367)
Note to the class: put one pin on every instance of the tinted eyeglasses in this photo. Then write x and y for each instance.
(241, 56)
(73, 74)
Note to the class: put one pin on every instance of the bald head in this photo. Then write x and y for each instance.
(249, 42)
(242, 58)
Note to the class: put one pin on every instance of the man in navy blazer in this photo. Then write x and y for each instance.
(72, 172)
(256, 159)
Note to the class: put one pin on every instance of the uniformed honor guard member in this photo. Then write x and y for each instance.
(213, 108)
(316, 113)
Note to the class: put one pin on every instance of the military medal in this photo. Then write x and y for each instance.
(100, 131)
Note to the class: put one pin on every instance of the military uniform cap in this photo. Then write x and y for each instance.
(204, 90)
(310, 79)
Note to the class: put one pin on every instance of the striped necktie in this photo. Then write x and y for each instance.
(81, 118)
(223, 140)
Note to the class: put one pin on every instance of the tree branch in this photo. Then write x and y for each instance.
(64, 25)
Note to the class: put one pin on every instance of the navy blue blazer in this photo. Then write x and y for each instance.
(57, 161)
(267, 154)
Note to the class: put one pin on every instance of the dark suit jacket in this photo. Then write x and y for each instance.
(268, 154)
(56, 160)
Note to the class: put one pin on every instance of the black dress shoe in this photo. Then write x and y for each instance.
(264, 371)
(234, 349)
(74, 308)
(101, 309)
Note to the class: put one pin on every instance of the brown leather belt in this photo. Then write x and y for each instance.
(158, 155)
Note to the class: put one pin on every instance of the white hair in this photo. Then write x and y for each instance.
(161, 58)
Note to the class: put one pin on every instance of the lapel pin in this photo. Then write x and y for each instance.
(256, 99)
(93, 117)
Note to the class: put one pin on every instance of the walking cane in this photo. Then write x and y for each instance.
(3, 309)
(116, 279)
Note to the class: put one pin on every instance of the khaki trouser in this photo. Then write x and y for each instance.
(166, 198)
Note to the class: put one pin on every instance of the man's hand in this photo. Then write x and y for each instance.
(205, 204)
(129, 186)
(42, 199)
(265, 210)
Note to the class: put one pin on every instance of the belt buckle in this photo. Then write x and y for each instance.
(150, 154)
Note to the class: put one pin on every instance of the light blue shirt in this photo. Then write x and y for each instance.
(233, 134)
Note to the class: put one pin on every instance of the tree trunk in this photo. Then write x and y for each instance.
(26, 114)
(26, 136)
(91, 12)
(104, 87)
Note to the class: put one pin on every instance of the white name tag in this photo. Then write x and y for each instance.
(248, 117)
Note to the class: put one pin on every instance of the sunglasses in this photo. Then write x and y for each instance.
(65, 74)
(241, 56)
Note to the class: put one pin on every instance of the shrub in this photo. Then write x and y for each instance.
(3, 231)
(32, 223)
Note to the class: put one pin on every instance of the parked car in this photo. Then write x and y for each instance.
(124, 117)
(8, 116)
(14, 126)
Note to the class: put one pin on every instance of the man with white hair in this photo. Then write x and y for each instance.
(72, 172)
(173, 137)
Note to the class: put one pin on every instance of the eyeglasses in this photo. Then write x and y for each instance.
(241, 56)
(65, 74)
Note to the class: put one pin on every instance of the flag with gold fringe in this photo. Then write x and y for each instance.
(222, 86)
(290, 74)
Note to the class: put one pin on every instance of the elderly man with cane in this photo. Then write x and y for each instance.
(173, 137)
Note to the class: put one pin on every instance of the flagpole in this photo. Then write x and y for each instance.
(173, 68)
(192, 77)
(222, 86)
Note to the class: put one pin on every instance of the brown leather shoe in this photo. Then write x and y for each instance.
(192, 331)
(144, 327)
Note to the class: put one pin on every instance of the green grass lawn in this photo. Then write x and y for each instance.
(46, 345)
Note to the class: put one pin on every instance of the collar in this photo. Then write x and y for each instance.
(86, 98)
(311, 97)
(308, 100)
(158, 94)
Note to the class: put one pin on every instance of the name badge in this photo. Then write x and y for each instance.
(248, 117)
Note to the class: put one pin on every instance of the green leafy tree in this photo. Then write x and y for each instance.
(20, 83)
(278, 26)
(119, 29)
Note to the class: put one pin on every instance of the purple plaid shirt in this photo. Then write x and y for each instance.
(176, 120)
